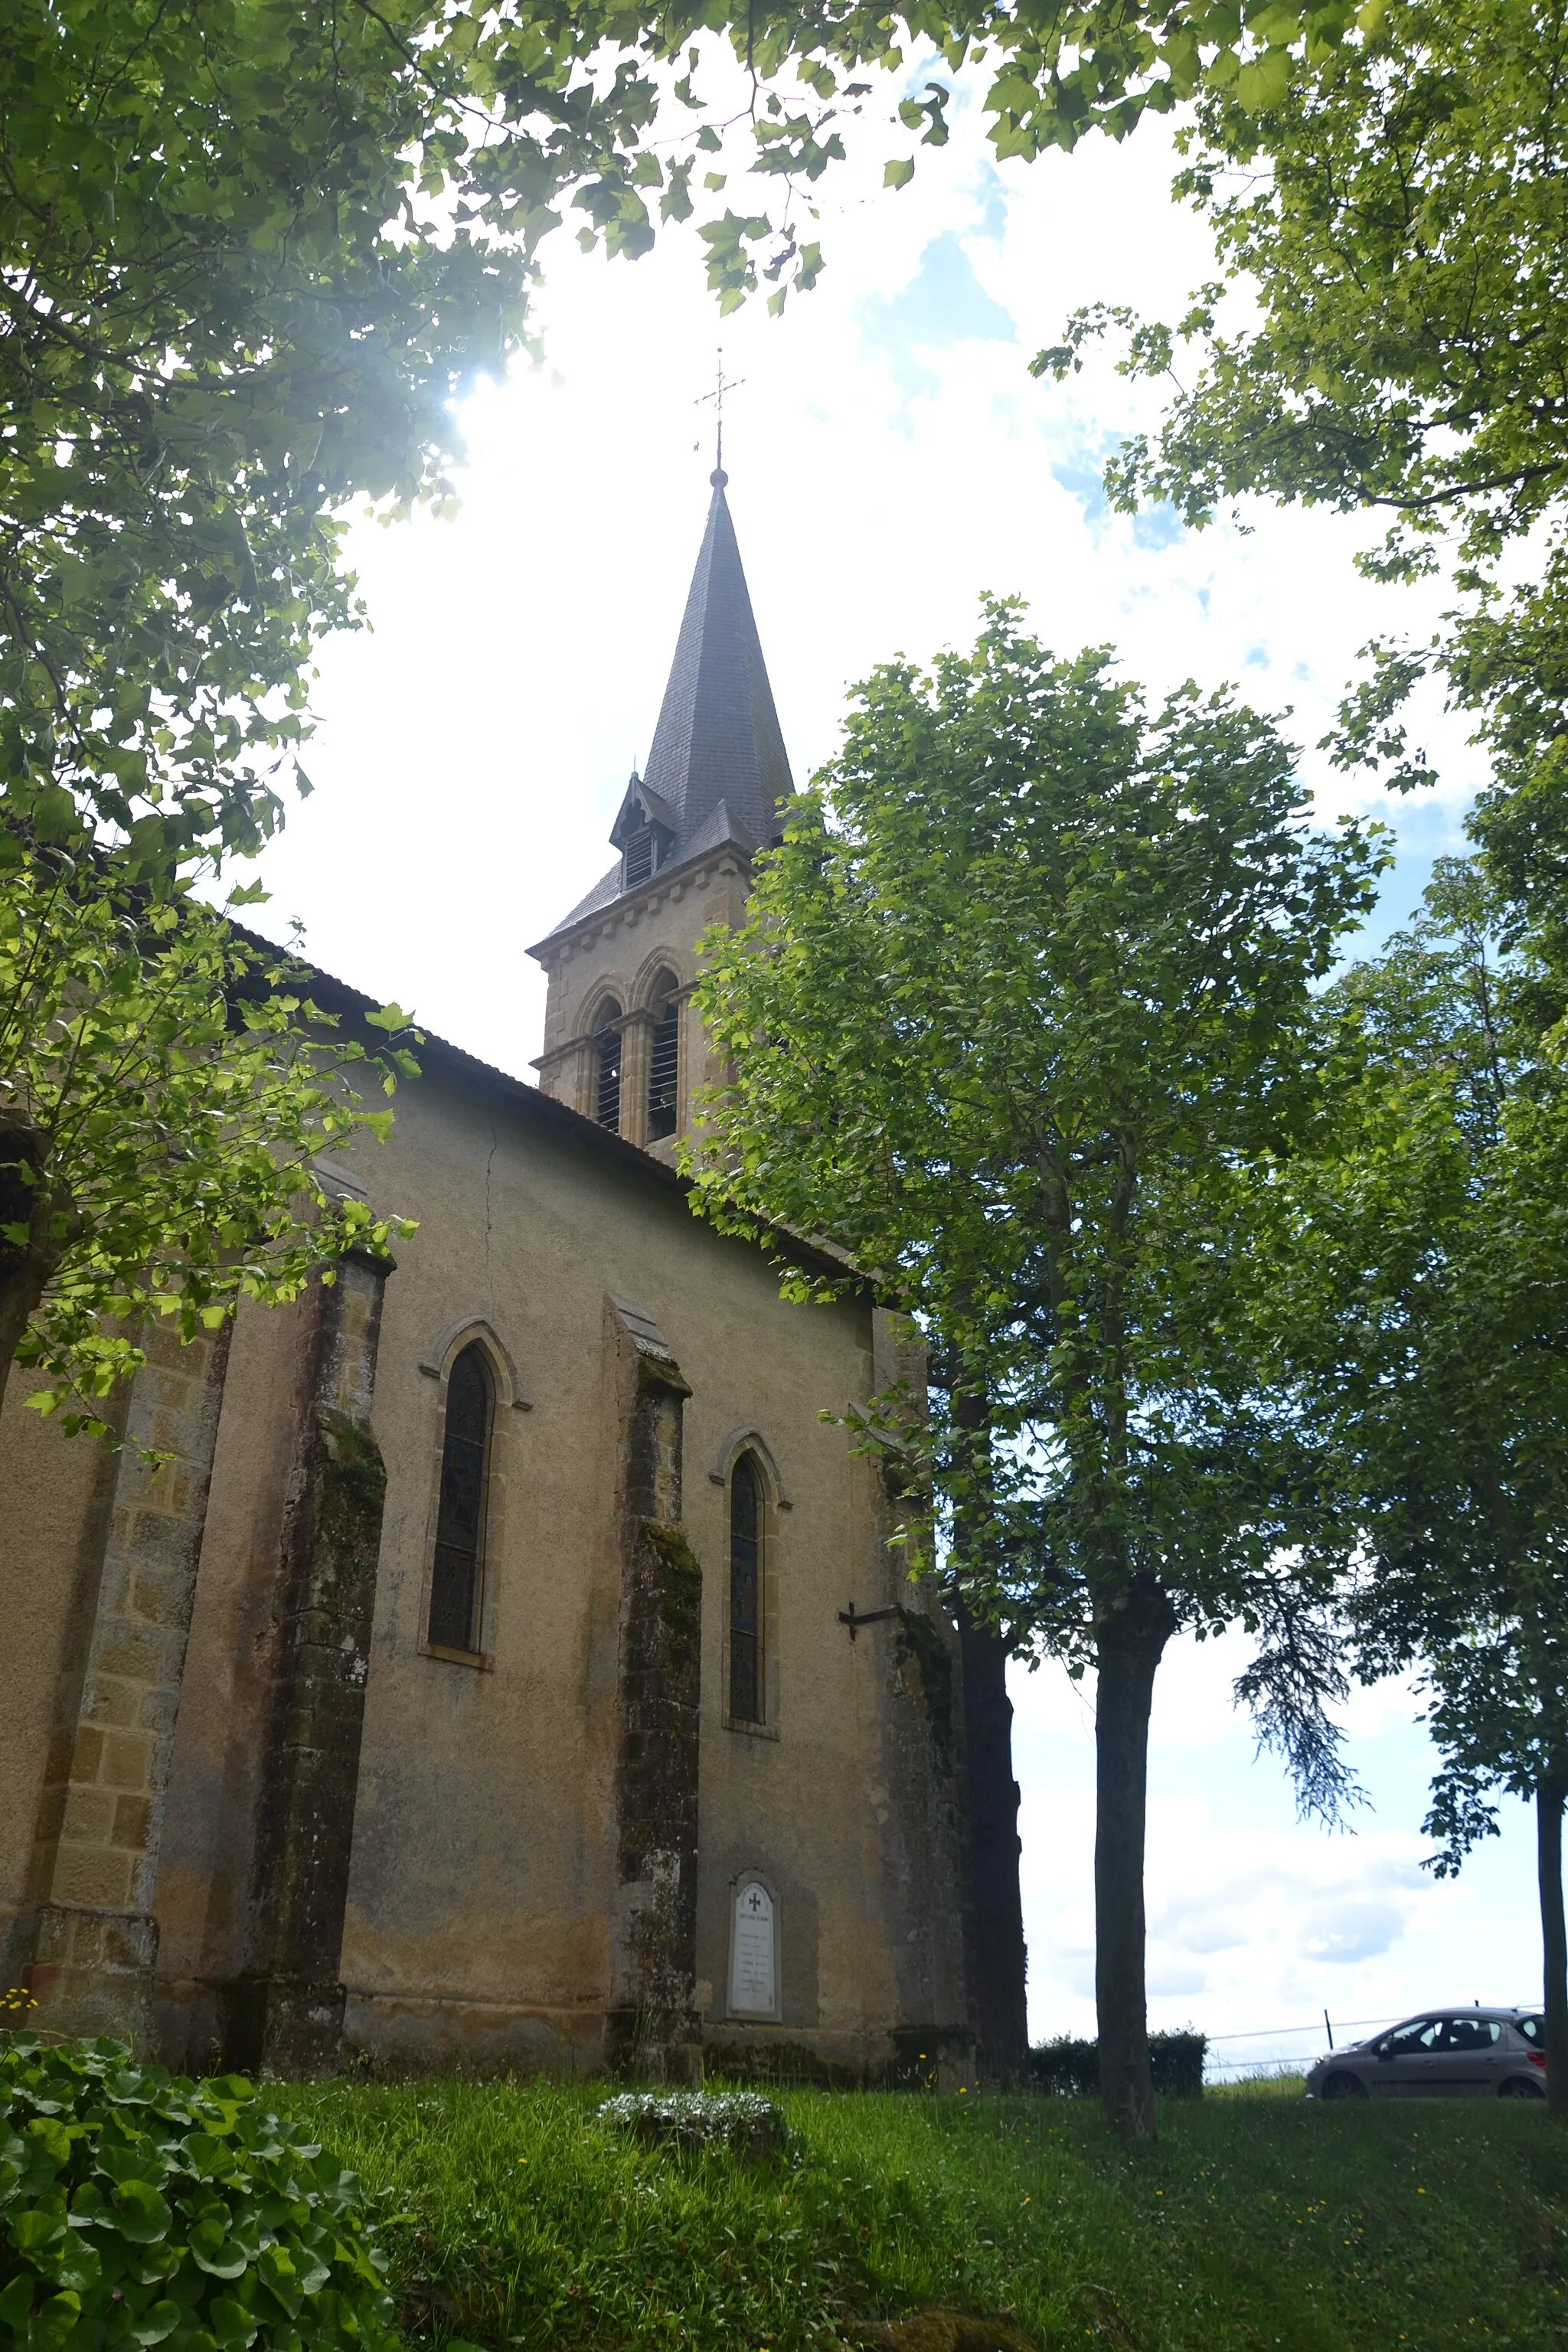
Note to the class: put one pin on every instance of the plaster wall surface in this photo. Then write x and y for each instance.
(481, 1894)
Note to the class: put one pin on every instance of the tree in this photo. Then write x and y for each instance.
(255, 253)
(164, 1088)
(1395, 215)
(1023, 998)
(1419, 1288)
(221, 317)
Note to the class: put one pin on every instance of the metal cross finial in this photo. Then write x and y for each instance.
(722, 385)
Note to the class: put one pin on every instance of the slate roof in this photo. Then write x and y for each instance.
(717, 763)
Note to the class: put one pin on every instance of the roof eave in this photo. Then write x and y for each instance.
(729, 847)
(573, 1127)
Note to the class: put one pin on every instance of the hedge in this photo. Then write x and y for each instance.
(1069, 2069)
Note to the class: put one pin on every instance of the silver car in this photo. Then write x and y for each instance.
(1451, 2053)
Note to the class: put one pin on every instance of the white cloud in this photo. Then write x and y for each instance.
(1258, 1923)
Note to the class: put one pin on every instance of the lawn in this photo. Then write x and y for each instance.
(517, 2221)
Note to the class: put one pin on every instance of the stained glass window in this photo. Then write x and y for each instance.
(745, 1597)
(461, 1523)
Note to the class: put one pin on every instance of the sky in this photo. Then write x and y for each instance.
(891, 461)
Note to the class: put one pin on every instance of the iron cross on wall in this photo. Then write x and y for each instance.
(866, 1617)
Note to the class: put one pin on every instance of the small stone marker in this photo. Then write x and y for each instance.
(753, 1963)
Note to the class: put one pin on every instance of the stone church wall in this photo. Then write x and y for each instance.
(496, 1903)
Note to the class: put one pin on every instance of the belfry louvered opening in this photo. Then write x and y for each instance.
(607, 1066)
(664, 1061)
(640, 858)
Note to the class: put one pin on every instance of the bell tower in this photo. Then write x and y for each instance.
(621, 1044)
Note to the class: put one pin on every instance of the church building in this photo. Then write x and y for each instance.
(505, 1668)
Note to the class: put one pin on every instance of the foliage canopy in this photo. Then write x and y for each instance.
(255, 253)
(1023, 1005)
(1396, 218)
(1418, 1290)
(165, 1086)
(1396, 215)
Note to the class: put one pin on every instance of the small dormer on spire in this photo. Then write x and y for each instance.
(644, 832)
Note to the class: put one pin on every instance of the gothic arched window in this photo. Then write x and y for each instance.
(745, 1593)
(456, 1580)
(664, 1060)
(607, 1066)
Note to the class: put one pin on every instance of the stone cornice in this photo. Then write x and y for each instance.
(670, 882)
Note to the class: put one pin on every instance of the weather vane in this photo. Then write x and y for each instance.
(722, 385)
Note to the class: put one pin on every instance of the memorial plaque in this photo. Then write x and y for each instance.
(753, 1956)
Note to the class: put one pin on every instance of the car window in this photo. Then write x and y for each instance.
(1469, 2033)
(1534, 2030)
(1411, 2040)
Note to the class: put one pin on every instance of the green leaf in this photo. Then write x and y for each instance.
(156, 2323)
(233, 2326)
(141, 2214)
(55, 2323)
(898, 173)
(38, 2228)
(1264, 81)
(17, 2301)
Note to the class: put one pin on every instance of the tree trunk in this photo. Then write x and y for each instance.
(25, 1267)
(997, 1961)
(1131, 1633)
(16, 1306)
(1549, 1803)
(994, 1961)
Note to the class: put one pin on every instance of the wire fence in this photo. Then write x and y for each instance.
(1332, 2033)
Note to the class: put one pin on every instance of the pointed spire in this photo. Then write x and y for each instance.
(717, 769)
(718, 738)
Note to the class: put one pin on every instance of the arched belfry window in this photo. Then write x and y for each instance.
(607, 1066)
(458, 1578)
(664, 1060)
(745, 1593)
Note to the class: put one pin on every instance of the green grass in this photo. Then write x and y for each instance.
(1253, 2222)
(1266, 2084)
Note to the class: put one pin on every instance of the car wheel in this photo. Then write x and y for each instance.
(1518, 2086)
(1344, 2087)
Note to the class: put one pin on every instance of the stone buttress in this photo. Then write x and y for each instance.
(652, 2027)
